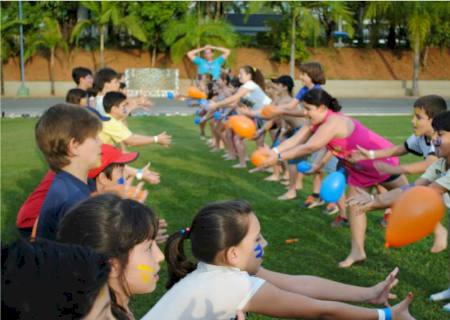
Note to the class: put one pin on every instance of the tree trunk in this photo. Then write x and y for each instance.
(2, 79)
(416, 68)
(292, 61)
(52, 67)
(424, 57)
(391, 44)
(102, 46)
(154, 56)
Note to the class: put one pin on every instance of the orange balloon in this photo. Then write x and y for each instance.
(267, 111)
(196, 93)
(243, 126)
(414, 216)
(258, 158)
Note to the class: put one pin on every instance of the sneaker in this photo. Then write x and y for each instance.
(331, 209)
(383, 221)
(310, 199)
(339, 222)
(317, 202)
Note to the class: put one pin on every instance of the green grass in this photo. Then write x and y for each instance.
(191, 177)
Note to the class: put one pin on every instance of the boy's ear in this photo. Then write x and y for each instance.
(72, 147)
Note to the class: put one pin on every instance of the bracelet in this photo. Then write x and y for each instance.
(139, 174)
(276, 150)
(155, 139)
(381, 314)
(371, 154)
(387, 313)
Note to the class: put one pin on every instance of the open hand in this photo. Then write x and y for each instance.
(164, 139)
(380, 293)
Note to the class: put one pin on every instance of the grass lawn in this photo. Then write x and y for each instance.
(191, 177)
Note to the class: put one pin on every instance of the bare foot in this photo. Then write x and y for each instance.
(272, 177)
(240, 166)
(299, 186)
(351, 260)
(440, 240)
(286, 183)
(214, 149)
(291, 194)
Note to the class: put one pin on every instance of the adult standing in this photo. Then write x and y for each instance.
(208, 64)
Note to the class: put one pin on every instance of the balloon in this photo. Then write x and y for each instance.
(203, 102)
(189, 103)
(333, 187)
(196, 93)
(258, 158)
(276, 143)
(197, 120)
(267, 111)
(243, 126)
(414, 216)
(170, 95)
(197, 112)
(217, 115)
(303, 167)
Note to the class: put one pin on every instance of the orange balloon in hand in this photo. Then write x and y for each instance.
(258, 158)
(414, 216)
(267, 111)
(243, 126)
(196, 93)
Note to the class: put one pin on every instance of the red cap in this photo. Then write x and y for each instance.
(110, 155)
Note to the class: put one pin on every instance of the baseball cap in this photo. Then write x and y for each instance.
(110, 155)
(285, 80)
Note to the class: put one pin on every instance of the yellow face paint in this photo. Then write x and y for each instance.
(144, 267)
(145, 272)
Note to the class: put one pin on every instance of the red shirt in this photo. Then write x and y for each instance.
(31, 208)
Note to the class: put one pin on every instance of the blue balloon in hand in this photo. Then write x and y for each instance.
(197, 120)
(333, 187)
(217, 115)
(304, 166)
(170, 95)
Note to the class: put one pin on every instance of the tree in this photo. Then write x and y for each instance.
(9, 28)
(102, 14)
(46, 39)
(192, 32)
(155, 17)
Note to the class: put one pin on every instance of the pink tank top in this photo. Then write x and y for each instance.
(362, 173)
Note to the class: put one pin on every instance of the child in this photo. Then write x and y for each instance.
(83, 78)
(419, 143)
(49, 280)
(226, 240)
(341, 135)
(68, 138)
(124, 231)
(115, 131)
(78, 97)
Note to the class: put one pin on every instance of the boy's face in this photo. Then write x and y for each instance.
(116, 173)
(89, 152)
(86, 82)
(121, 111)
(441, 141)
(422, 123)
(305, 79)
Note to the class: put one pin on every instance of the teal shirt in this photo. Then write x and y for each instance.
(211, 67)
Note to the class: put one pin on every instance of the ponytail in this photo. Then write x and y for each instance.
(178, 264)
(319, 97)
(256, 75)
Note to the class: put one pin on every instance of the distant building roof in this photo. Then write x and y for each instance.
(255, 22)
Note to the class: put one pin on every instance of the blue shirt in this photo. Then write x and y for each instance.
(65, 192)
(211, 67)
(303, 90)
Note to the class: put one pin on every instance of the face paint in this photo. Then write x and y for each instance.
(259, 251)
(121, 180)
(146, 272)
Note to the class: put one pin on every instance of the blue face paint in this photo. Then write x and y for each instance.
(259, 251)
(121, 180)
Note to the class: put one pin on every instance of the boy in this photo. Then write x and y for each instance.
(83, 78)
(68, 138)
(115, 131)
(78, 97)
(419, 143)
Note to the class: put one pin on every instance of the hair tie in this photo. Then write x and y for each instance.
(185, 232)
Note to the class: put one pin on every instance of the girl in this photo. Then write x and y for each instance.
(251, 92)
(226, 240)
(125, 232)
(341, 135)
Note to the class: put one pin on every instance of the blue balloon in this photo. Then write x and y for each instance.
(197, 112)
(333, 187)
(217, 115)
(303, 166)
(197, 120)
(203, 102)
(170, 95)
(189, 103)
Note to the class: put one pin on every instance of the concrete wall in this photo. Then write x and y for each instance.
(338, 88)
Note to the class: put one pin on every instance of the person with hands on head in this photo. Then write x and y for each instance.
(340, 134)
(208, 64)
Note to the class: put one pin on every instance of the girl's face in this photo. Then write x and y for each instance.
(305, 79)
(142, 269)
(244, 76)
(441, 141)
(113, 85)
(314, 113)
(250, 251)
(101, 308)
(421, 123)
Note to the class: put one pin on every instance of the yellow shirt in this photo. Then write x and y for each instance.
(114, 131)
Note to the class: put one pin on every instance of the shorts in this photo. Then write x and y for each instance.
(330, 166)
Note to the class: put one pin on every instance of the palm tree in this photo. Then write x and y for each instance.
(48, 38)
(193, 32)
(9, 40)
(102, 14)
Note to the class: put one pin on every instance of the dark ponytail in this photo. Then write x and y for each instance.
(318, 97)
(256, 75)
(216, 227)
